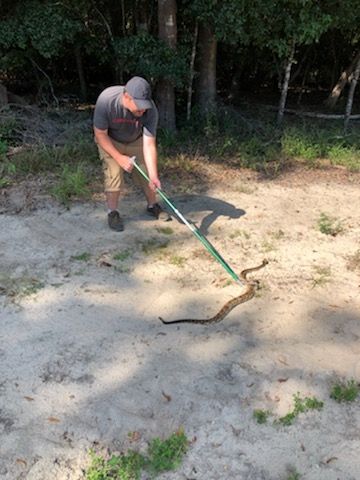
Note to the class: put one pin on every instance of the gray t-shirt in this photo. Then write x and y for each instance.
(120, 123)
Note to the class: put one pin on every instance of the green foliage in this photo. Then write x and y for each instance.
(153, 245)
(121, 256)
(296, 144)
(227, 18)
(345, 391)
(124, 467)
(163, 456)
(287, 22)
(72, 183)
(177, 260)
(165, 230)
(294, 475)
(322, 276)
(329, 225)
(261, 416)
(42, 26)
(7, 131)
(301, 405)
(82, 257)
(20, 287)
(346, 156)
(147, 56)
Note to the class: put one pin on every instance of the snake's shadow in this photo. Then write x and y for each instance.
(187, 204)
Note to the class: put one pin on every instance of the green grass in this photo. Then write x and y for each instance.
(177, 260)
(240, 138)
(72, 183)
(81, 257)
(162, 456)
(153, 245)
(250, 139)
(124, 467)
(240, 233)
(165, 230)
(165, 455)
(322, 276)
(122, 255)
(294, 475)
(19, 287)
(329, 225)
(345, 391)
(301, 405)
(261, 416)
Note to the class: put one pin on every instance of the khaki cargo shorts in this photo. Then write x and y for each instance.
(114, 174)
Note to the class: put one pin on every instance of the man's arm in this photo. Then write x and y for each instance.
(102, 138)
(150, 155)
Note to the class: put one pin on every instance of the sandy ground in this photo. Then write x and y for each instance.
(86, 363)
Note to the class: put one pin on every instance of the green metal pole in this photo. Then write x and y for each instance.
(210, 248)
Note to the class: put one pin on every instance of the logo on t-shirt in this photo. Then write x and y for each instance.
(127, 120)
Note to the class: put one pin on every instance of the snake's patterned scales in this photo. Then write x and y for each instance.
(226, 309)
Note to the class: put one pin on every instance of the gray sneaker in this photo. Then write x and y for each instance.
(115, 221)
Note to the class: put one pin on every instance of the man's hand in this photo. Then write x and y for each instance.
(126, 163)
(154, 183)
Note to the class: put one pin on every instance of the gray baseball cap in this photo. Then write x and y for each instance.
(140, 91)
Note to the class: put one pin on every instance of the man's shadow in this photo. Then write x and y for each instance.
(199, 203)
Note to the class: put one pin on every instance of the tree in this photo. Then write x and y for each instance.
(281, 27)
(345, 19)
(165, 90)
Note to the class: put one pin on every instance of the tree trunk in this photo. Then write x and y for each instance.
(285, 86)
(341, 83)
(81, 74)
(165, 89)
(142, 16)
(350, 99)
(3, 96)
(192, 72)
(206, 82)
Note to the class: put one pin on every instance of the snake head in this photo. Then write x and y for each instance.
(255, 284)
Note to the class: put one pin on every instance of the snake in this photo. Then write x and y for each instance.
(247, 295)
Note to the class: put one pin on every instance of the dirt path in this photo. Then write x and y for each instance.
(84, 359)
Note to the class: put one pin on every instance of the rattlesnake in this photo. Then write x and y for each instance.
(226, 309)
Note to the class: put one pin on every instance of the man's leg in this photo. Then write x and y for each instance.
(136, 149)
(112, 200)
(113, 178)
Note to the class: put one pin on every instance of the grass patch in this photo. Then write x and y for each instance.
(298, 143)
(165, 455)
(121, 256)
(165, 230)
(261, 416)
(322, 276)
(81, 257)
(293, 475)
(19, 287)
(329, 225)
(301, 405)
(162, 456)
(153, 245)
(123, 467)
(240, 233)
(345, 391)
(71, 183)
(177, 260)
(348, 157)
(267, 246)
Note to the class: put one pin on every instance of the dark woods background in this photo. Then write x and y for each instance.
(195, 53)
